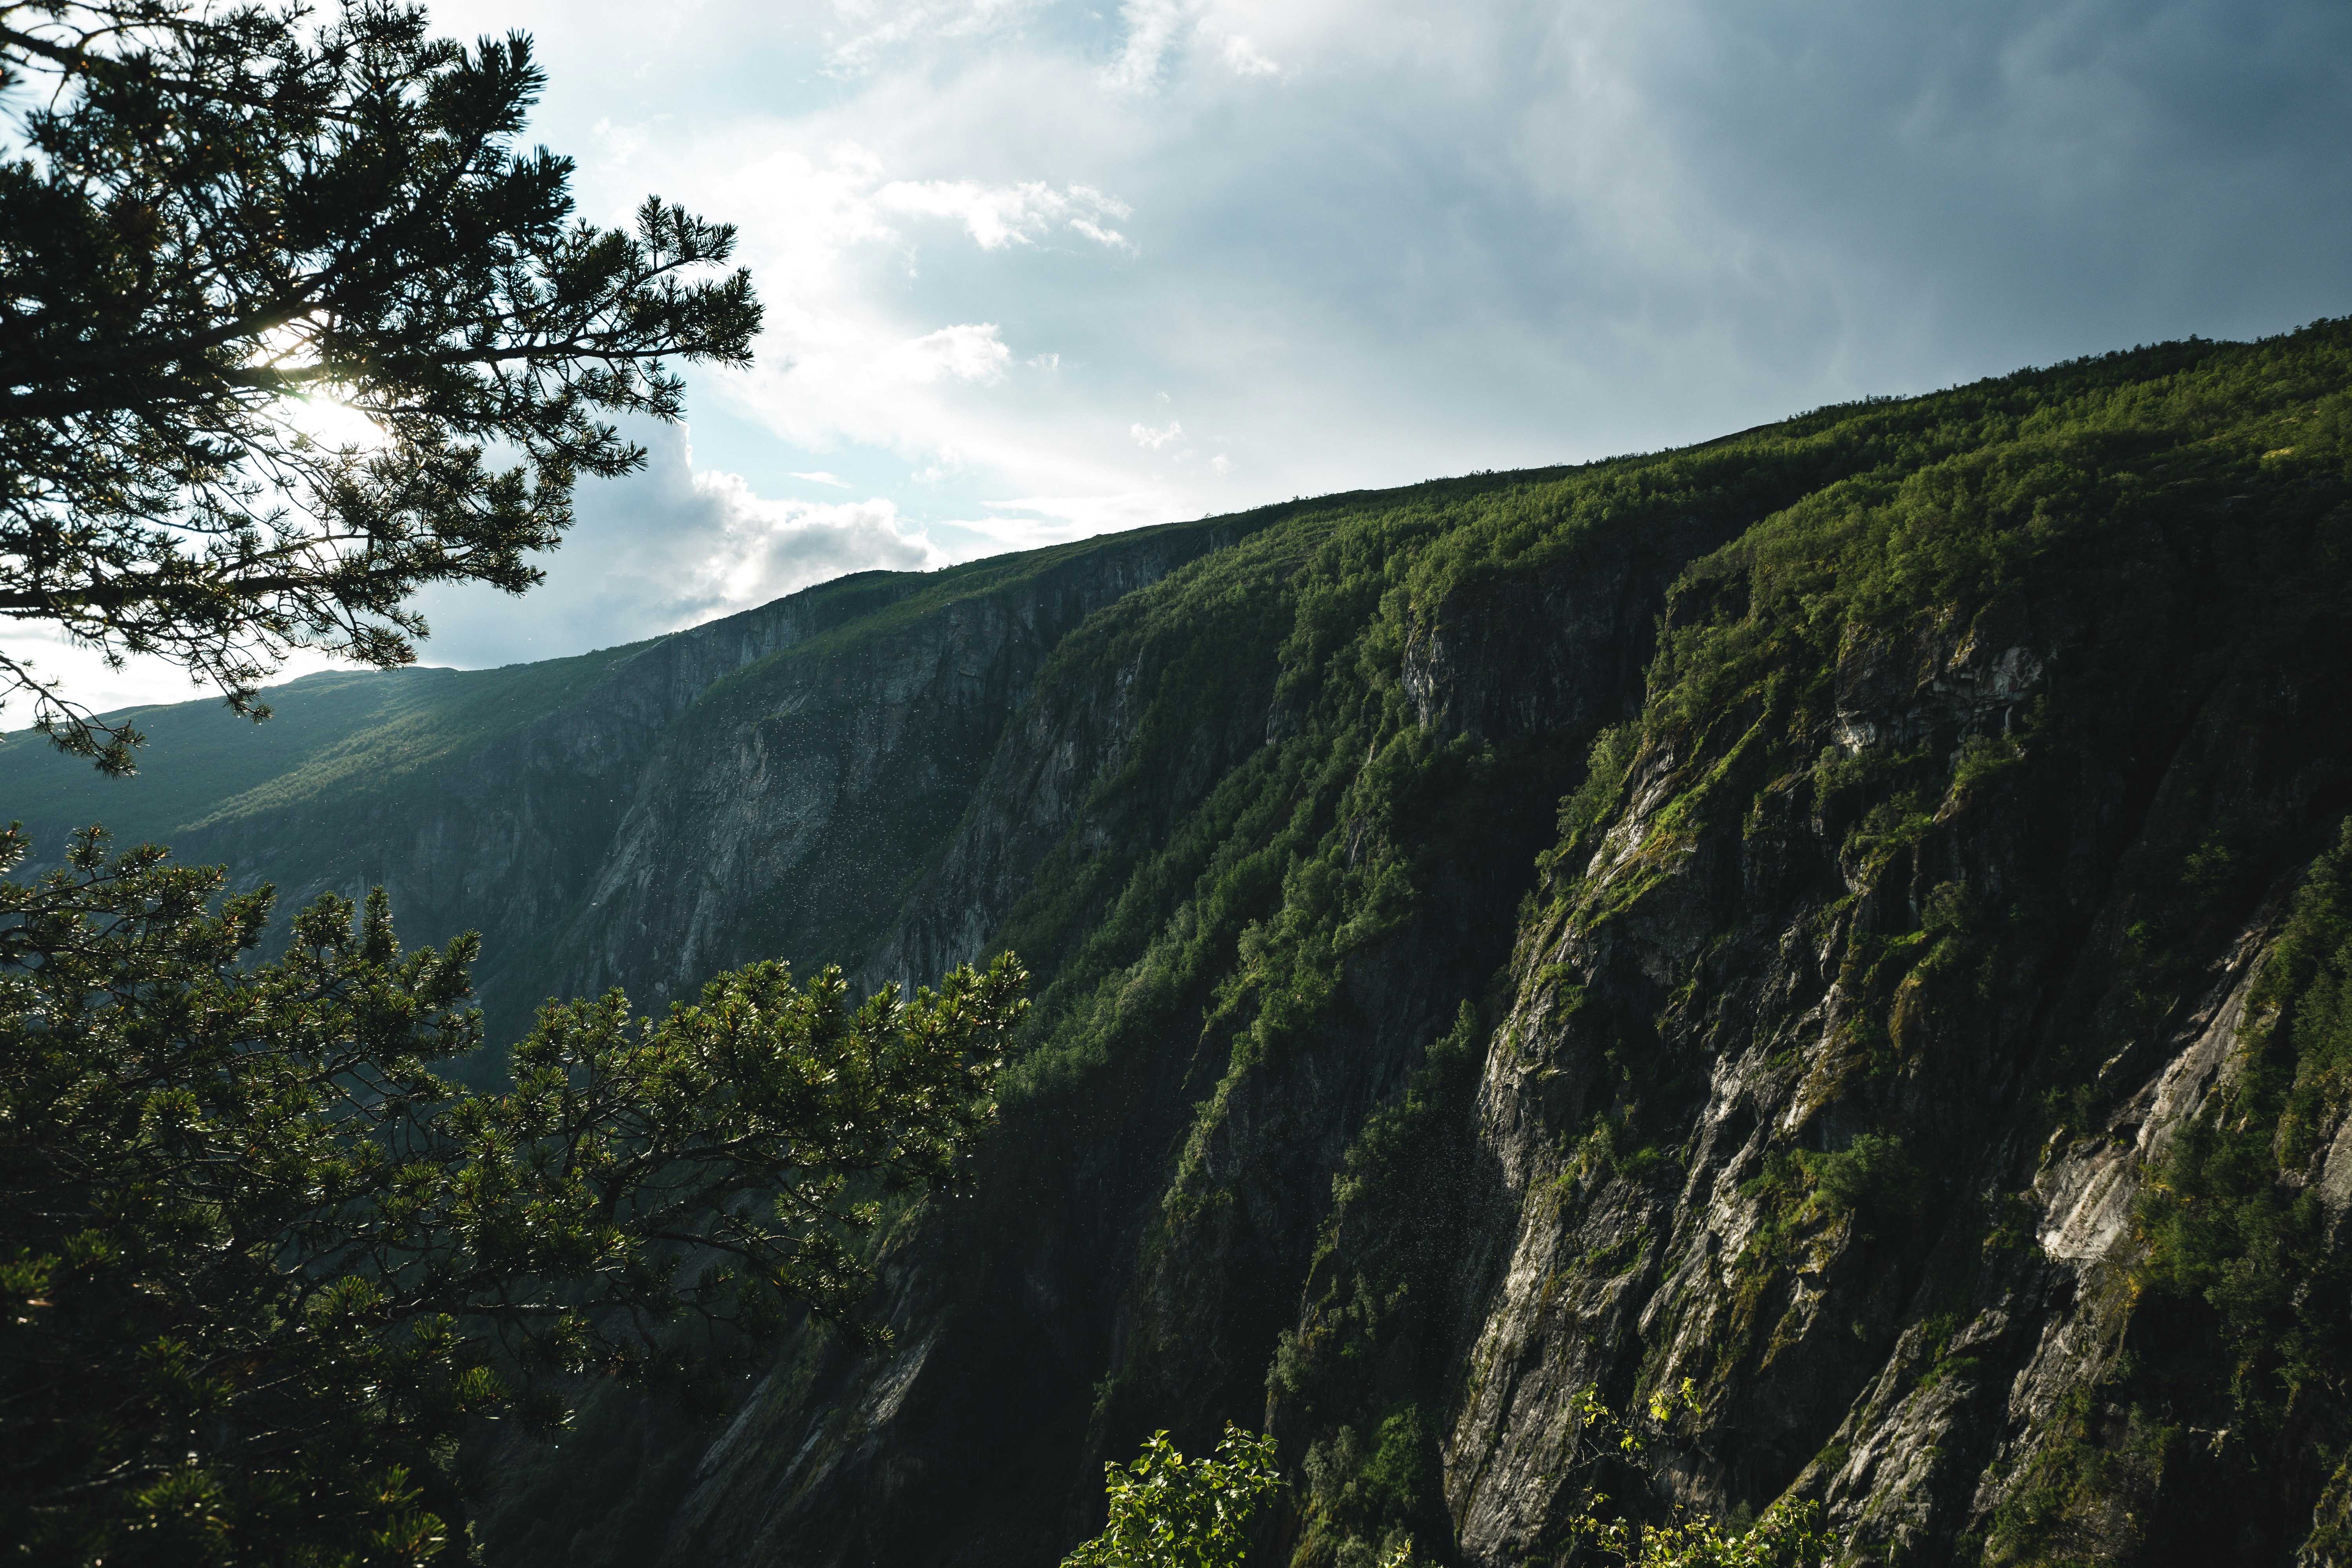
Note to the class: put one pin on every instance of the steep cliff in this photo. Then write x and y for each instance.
(1882, 1041)
(1854, 915)
(1862, 1036)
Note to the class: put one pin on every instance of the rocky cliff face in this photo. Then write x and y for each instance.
(1898, 1267)
(1864, 1042)
(787, 807)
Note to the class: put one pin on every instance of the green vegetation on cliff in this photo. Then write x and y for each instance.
(261, 1266)
(1343, 829)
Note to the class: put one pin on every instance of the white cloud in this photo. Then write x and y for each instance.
(947, 463)
(1105, 237)
(1241, 57)
(1076, 517)
(968, 353)
(1490, 235)
(890, 30)
(1151, 28)
(667, 548)
(823, 479)
(760, 549)
(662, 550)
(1153, 31)
(1152, 440)
(619, 145)
(999, 215)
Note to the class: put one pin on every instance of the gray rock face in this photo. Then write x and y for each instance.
(1904, 1359)
(1037, 784)
(509, 836)
(765, 784)
(788, 804)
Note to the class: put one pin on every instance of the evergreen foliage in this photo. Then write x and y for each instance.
(2249, 1290)
(261, 1264)
(214, 216)
(2235, 1221)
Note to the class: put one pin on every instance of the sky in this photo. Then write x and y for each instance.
(1034, 271)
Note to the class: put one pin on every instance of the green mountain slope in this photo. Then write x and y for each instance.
(338, 736)
(1845, 914)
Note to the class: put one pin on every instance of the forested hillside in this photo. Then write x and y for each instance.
(1852, 915)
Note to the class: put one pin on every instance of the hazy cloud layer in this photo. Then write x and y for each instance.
(670, 547)
(1037, 269)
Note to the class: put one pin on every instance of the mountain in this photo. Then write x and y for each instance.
(1855, 915)
(639, 817)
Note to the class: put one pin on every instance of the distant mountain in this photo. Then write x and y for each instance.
(1854, 915)
(641, 815)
